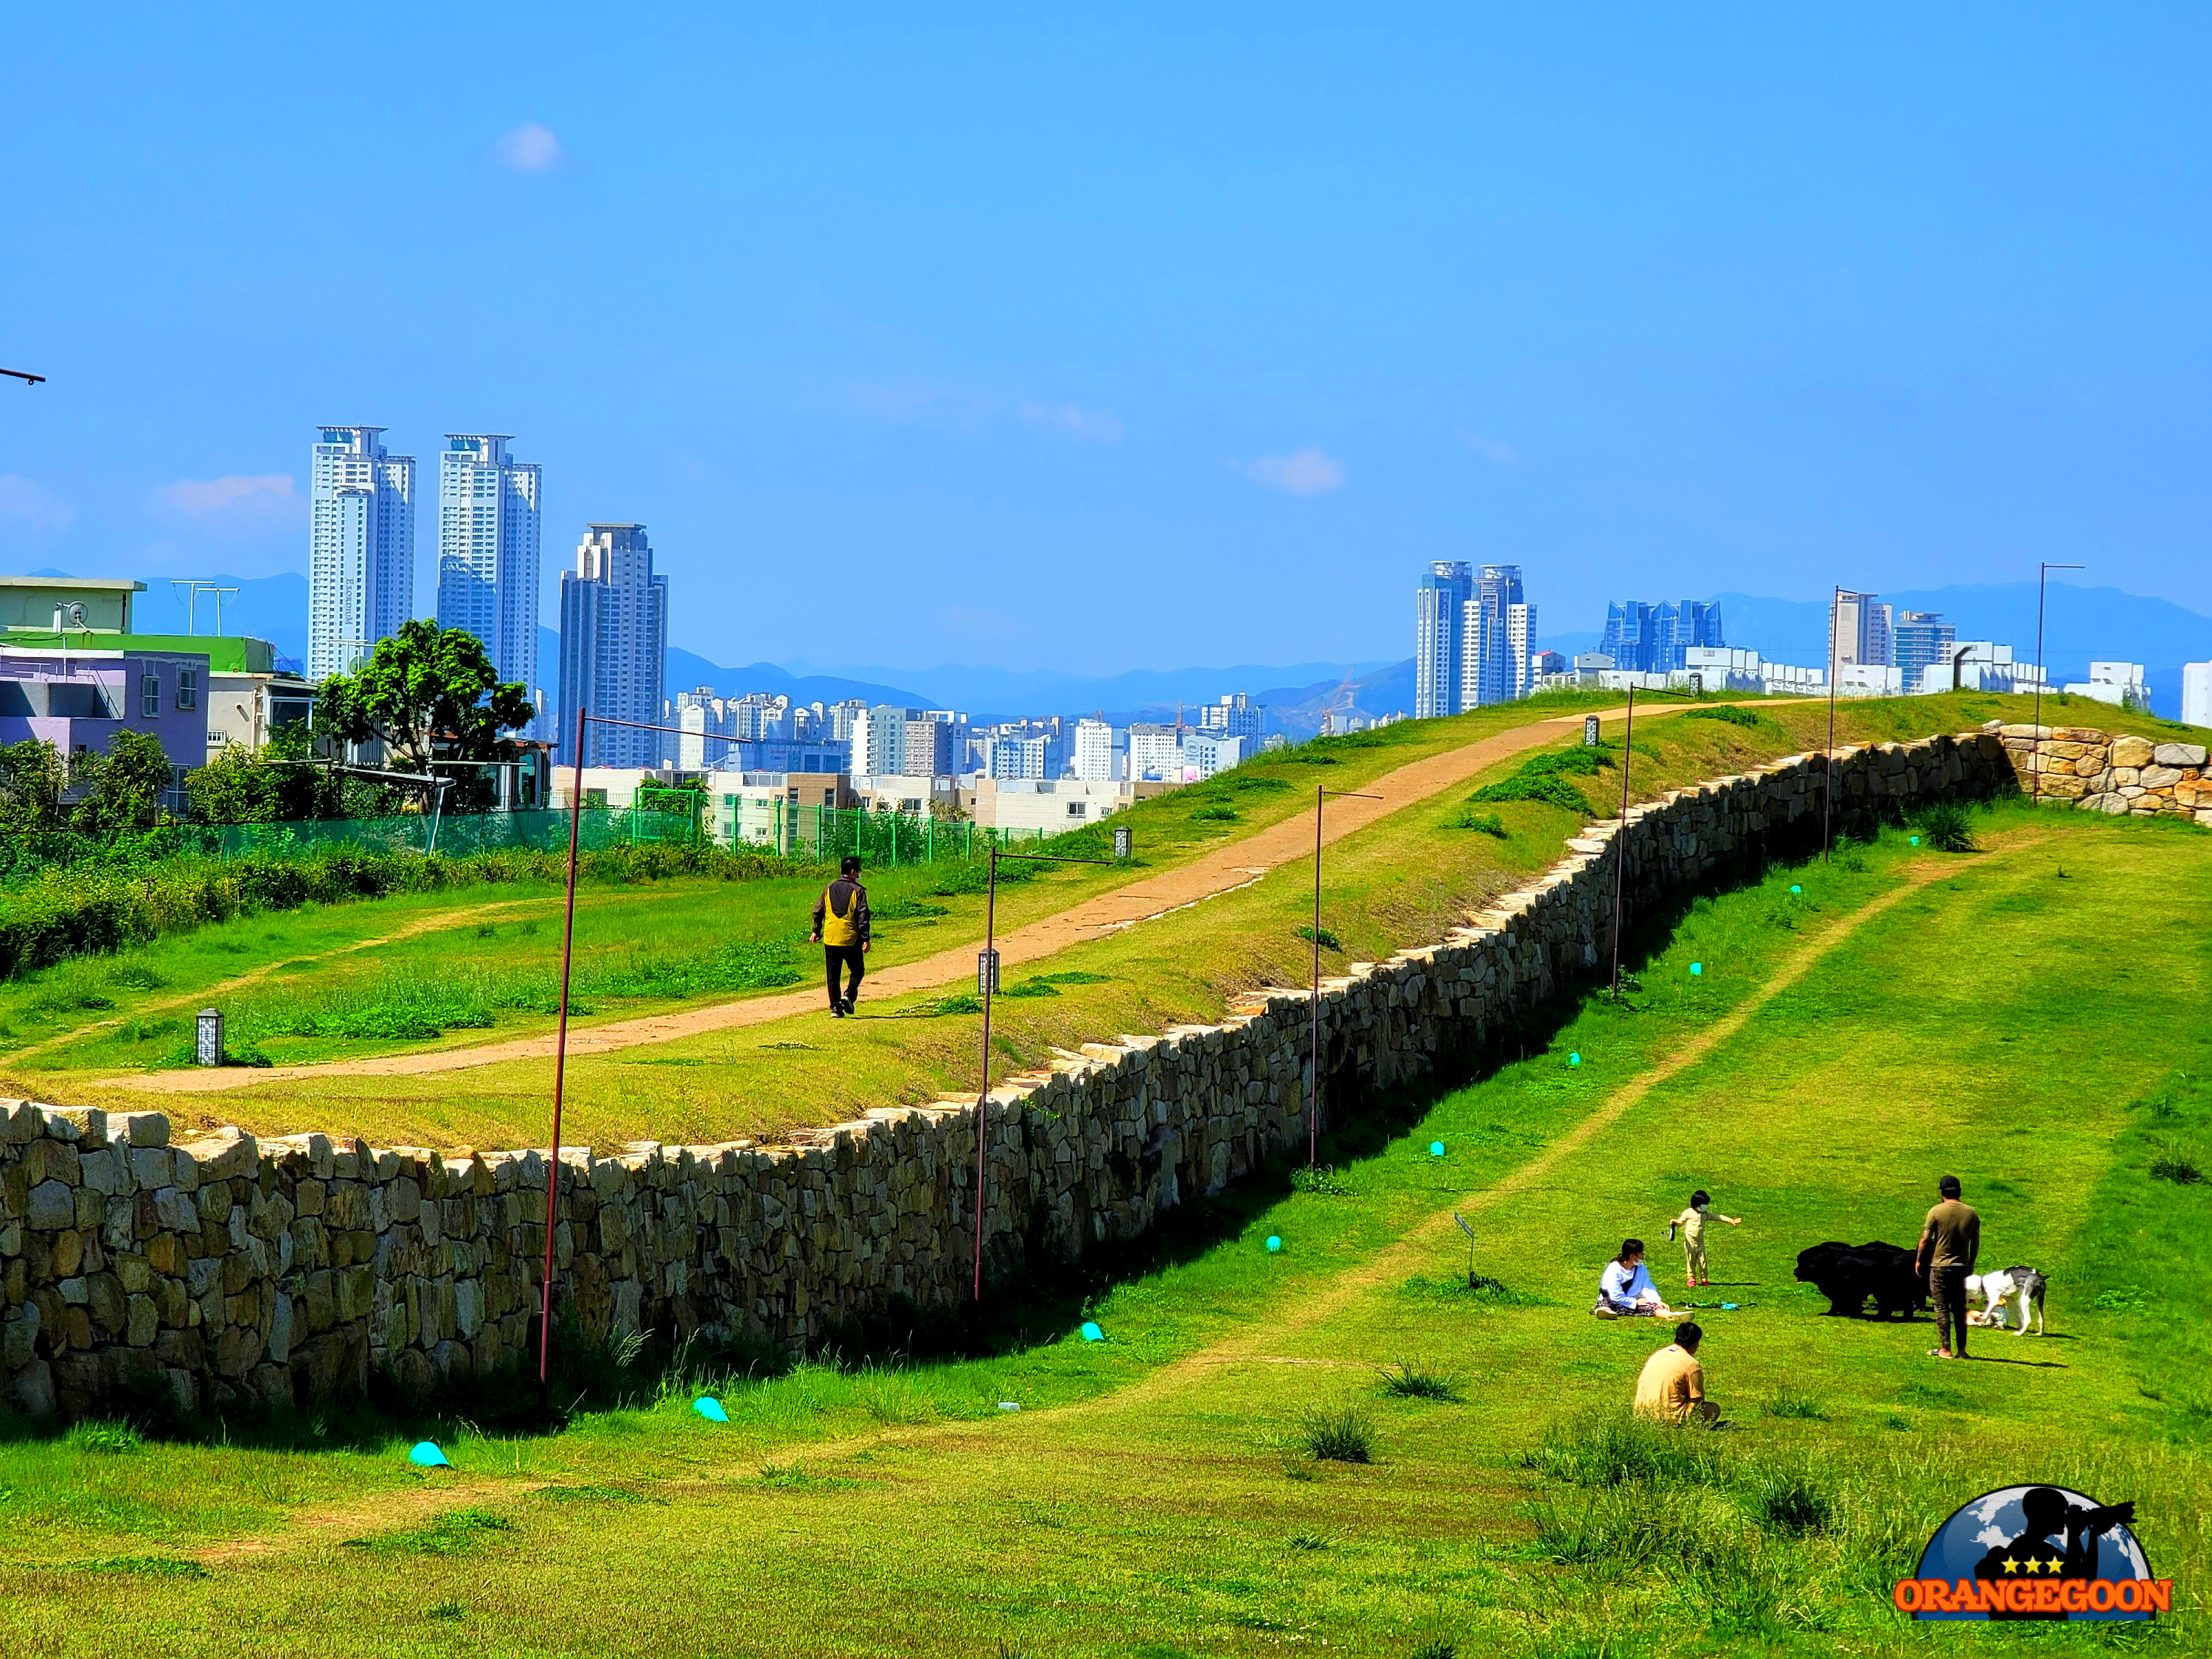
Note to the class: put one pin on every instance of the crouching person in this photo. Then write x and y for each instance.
(1671, 1386)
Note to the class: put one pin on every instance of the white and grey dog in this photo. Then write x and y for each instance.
(2020, 1287)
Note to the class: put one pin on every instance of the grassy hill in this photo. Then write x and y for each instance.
(1909, 1013)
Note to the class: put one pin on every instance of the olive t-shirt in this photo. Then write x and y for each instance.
(1954, 1235)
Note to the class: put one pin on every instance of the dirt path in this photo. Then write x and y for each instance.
(1223, 870)
(430, 924)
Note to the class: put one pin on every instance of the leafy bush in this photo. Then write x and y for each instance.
(1486, 823)
(1342, 1436)
(1731, 714)
(1788, 1501)
(1321, 1180)
(2167, 1164)
(1543, 777)
(1328, 941)
(1216, 815)
(1948, 826)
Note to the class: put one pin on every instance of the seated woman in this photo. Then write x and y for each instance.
(1625, 1289)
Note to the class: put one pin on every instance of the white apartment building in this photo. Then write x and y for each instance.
(2196, 694)
(488, 506)
(1858, 632)
(614, 642)
(1101, 751)
(1155, 751)
(1205, 753)
(2121, 683)
(1020, 755)
(361, 547)
(1981, 665)
(1236, 716)
(880, 741)
(704, 717)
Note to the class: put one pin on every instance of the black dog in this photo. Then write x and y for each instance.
(1847, 1274)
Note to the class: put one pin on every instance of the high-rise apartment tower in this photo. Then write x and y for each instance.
(614, 644)
(361, 547)
(488, 506)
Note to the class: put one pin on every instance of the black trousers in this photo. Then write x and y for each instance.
(1947, 1289)
(835, 956)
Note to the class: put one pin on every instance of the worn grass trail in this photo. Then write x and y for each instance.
(1222, 869)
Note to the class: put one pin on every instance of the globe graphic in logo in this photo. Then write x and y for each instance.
(2025, 1529)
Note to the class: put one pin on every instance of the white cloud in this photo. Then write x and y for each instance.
(1303, 472)
(33, 504)
(235, 495)
(529, 148)
(1089, 425)
(1491, 449)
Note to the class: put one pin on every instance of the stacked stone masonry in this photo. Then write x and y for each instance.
(2100, 772)
(229, 1270)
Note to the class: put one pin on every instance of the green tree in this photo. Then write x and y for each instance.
(32, 779)
(269, 785)
(428, 692)
(127, 784)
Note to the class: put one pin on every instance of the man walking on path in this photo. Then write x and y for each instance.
(1948, 1244)
(1672, 1385)
(841, 927)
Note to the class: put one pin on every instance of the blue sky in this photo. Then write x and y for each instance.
(1101, 340)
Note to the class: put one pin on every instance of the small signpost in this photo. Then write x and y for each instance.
(1589, 731)
(986, 973)
(1122, 841)
(207, 1041)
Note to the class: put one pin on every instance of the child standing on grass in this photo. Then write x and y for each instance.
(1692, 1223)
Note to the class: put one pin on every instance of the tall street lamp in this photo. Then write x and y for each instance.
(987, 984)
(2035, 770)
(1620, 840)
(1313, 1061)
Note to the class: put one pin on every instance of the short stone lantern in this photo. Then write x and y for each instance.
(207, 1045)
(1122, 841)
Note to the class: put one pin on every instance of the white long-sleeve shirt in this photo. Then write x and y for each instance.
(1620, 1284)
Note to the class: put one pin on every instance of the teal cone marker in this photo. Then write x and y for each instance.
(1574, 1060)
(425, 1455)
(710, 1408)
(1436, 1149)
(1091, 1332)
(1274, 1243)
(1796, 888)
(1697, 969)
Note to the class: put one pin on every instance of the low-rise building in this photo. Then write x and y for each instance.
(78, 701)
(2196, 694)
(2121, 683)
(1049, 806)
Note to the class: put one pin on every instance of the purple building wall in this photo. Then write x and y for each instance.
(79, 700)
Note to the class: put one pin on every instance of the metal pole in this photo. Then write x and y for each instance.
(1828, 784)
(1313, 1061)
(983, 1094)
(1620, 842)
(2035, 752)
(561, 1058)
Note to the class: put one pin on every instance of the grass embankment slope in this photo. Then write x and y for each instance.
(1911, 1013)
(1400, 881)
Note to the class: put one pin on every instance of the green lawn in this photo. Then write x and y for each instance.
(2040, 1034)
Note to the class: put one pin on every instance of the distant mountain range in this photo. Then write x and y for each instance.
(2081, 624)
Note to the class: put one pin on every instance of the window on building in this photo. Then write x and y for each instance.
(188, 687)
(149, 695)
(1076, 809)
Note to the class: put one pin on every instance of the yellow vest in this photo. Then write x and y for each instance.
(841, 929)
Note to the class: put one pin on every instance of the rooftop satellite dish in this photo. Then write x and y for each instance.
(76, 614)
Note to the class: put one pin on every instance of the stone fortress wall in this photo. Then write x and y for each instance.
(2100, 772)
(230, 1270)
